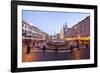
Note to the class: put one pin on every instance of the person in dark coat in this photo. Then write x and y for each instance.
(56, 49)
(86, 45)
(28, 49)
(44, 48)
(71, 48)
(77, 44)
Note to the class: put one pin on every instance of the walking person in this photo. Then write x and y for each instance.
(33, 45)
(77, 44)
(28, 49)
(44, 48)
(71, 47)
(77, 53)
(56, 49)
(86, 45)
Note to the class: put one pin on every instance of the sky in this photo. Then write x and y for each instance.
(52, 22)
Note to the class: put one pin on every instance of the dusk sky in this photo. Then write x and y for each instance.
(52, 22)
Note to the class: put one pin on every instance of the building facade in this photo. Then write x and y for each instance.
(82, 29)
(31, 32)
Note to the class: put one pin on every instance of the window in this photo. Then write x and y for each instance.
(23, 30)
(25, 26)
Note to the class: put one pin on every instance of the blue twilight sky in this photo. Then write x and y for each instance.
(52, 22)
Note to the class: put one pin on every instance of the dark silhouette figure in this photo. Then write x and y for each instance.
(86, 46)
(71, 47)
(77, 44)
(28, 49)
(33, 44)
(56, 49)
(44, 48)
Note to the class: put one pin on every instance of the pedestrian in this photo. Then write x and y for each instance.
(86, 45)
(77, 43)
(28, 49)
(44, 48)
(71, 48)
(56, 49)
(33, 43)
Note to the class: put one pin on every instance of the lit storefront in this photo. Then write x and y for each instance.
(80, 32)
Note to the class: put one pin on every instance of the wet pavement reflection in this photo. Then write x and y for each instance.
(37, 54)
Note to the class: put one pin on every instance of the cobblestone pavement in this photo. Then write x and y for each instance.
(37, 54)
